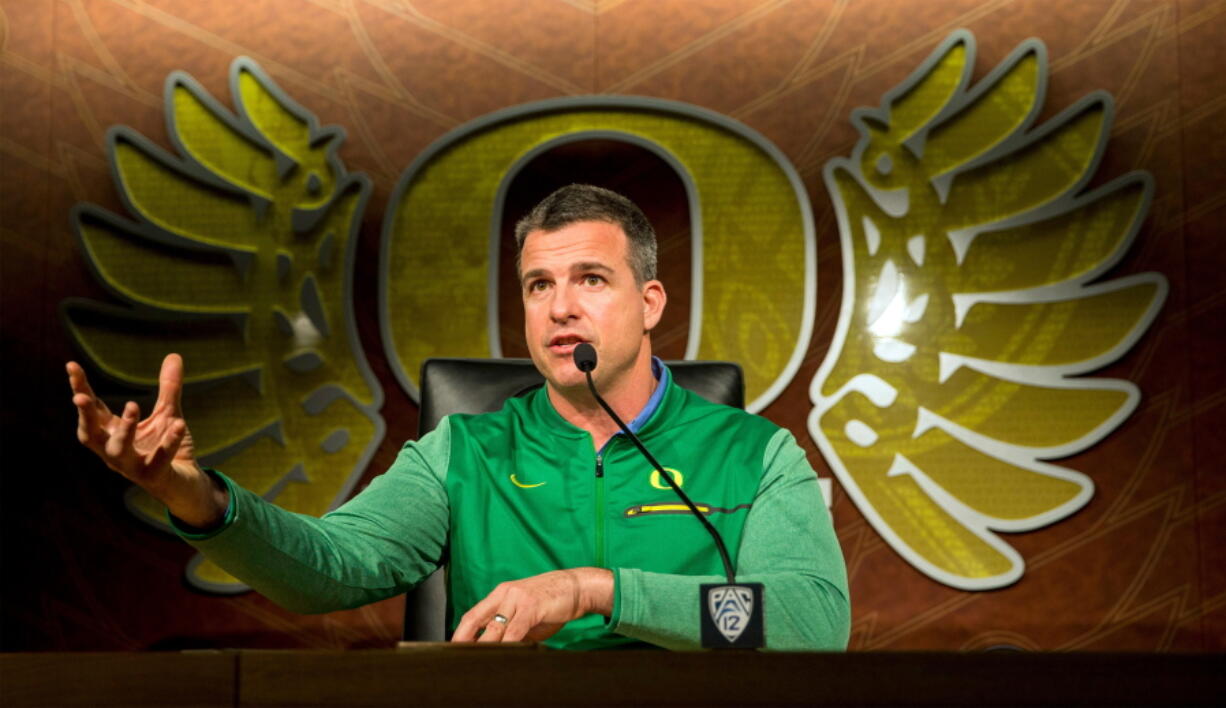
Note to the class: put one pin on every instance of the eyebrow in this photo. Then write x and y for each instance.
(589, 266)
(583, 267)
(531, 275)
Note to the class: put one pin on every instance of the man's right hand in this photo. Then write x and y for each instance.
(156, 453)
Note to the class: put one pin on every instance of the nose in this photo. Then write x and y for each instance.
(563, 305)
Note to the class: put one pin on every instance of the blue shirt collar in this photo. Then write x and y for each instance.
(662, 375)
(660, 371)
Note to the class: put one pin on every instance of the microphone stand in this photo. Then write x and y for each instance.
(719, 541)
(732, 614)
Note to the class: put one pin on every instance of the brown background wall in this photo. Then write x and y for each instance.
(1141, 567)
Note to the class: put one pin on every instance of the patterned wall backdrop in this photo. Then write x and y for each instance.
(968, 252)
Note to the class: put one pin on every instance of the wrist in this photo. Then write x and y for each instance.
(202, 501)
(596, 587)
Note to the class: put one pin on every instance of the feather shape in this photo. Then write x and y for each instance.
(969, 251)
(238, 255)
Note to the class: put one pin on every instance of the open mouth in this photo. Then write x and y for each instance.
(564, 344)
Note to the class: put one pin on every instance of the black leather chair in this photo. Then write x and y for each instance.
(482, 386)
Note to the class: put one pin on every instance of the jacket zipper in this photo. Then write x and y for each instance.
(599, 511)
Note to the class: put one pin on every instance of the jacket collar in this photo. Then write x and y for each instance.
(664, 396)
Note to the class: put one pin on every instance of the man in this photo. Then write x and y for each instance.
(555, 528)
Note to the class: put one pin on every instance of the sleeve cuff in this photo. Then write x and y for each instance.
(194, 533)
(615, 615)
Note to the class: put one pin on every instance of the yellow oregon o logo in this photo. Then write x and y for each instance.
(659, 483)
(750, 216)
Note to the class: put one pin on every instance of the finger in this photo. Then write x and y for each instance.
(472, 620)
(77, 379)
(97, 407)
(170, 384)
(88, 429)
(120, 443)
(477, 617)
(494, 630)
(80, 387)
(168, 445)
(521, 623)
(91, 426)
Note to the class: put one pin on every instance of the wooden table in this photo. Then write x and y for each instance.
(494, 676)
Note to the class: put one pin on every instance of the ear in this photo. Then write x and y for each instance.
(654, 299)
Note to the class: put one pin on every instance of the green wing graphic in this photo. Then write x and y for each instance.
(239, 256)
(973, 300)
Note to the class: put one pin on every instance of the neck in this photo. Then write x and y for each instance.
(627, 395)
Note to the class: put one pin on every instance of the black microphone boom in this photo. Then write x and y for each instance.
(585, 360)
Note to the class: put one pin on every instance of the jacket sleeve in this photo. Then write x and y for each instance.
(788, 545)
(382, 542)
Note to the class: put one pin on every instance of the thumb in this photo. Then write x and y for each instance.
(170, 384)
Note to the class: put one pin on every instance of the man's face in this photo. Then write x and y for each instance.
(578, 286)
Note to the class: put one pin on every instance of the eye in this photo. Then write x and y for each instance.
(593, 280)
(538, 285)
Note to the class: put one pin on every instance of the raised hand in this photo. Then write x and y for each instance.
(155, 453)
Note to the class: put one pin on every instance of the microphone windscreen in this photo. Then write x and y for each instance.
(585, 356)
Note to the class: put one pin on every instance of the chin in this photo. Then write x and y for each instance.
(561, 374)
(564, 380)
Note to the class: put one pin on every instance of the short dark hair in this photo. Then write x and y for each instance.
(584, 202)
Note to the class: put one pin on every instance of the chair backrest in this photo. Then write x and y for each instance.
(482, 386)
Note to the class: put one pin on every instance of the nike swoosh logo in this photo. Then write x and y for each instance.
(521, 485)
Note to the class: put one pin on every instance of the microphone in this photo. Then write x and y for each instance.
(585, 361)
(732, 613)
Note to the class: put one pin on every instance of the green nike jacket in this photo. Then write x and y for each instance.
(512, 494)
